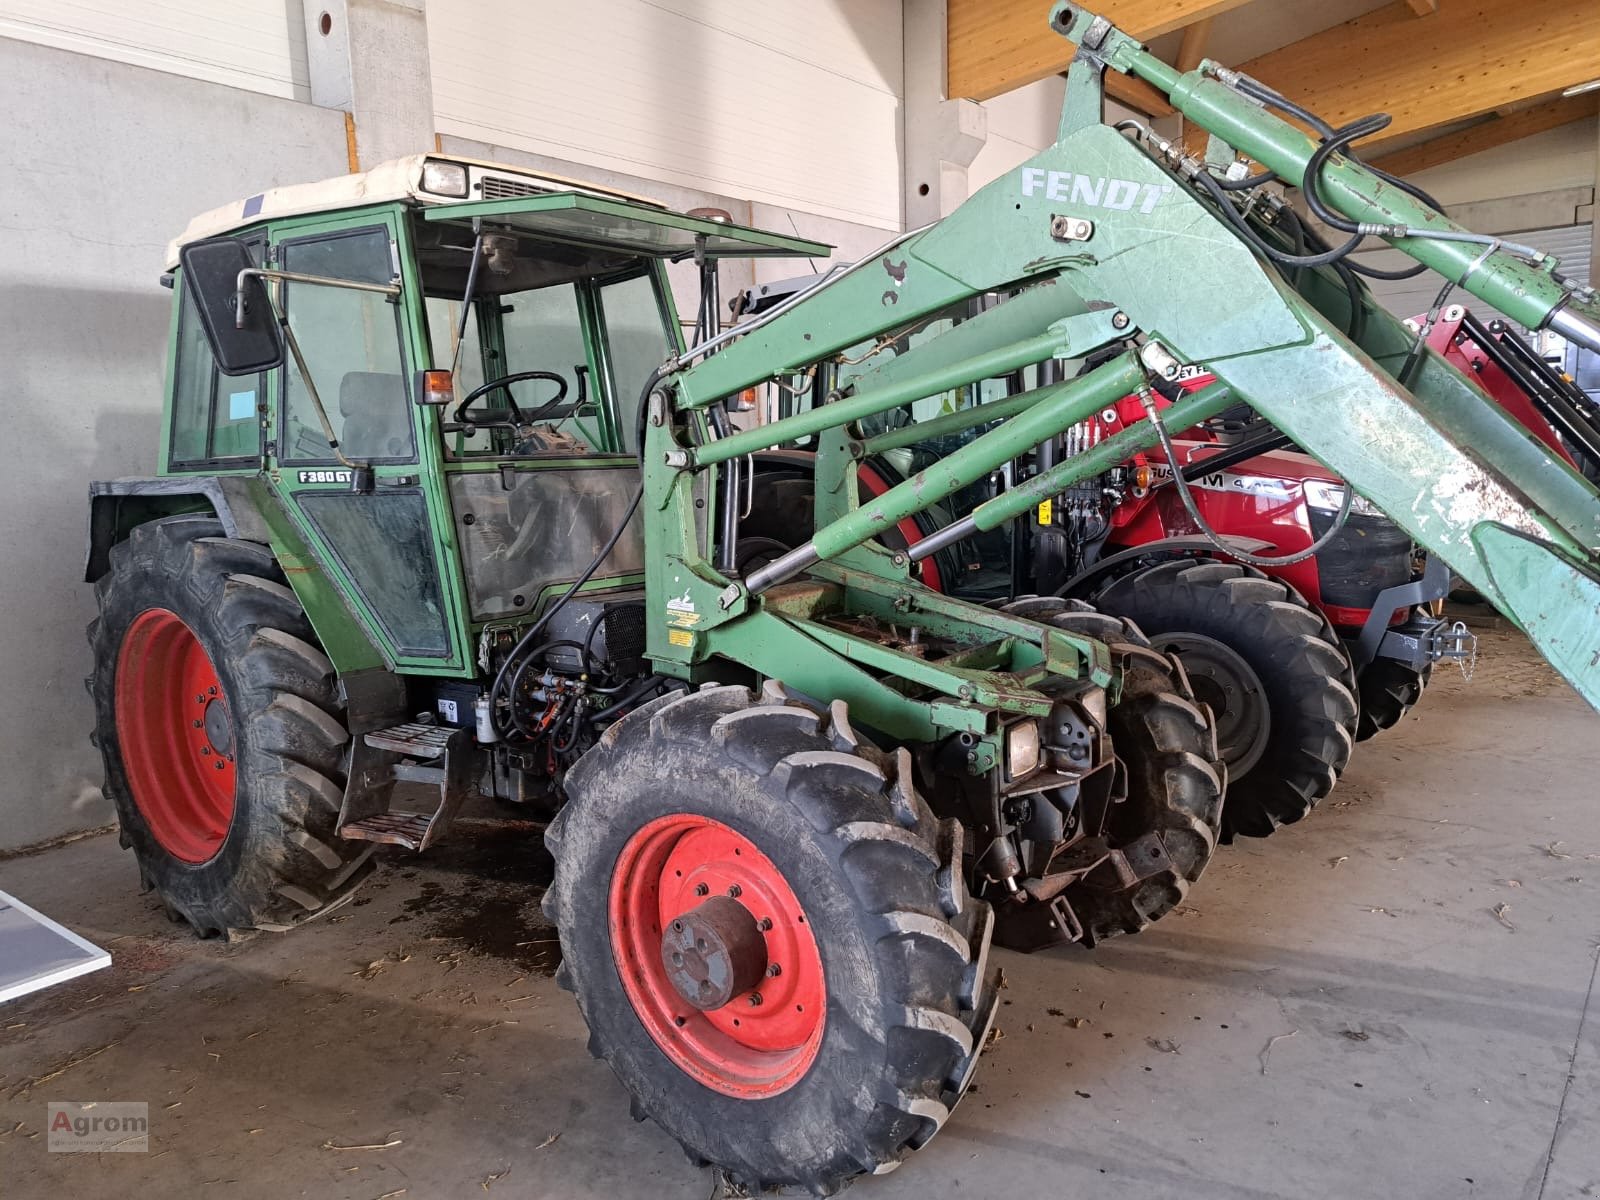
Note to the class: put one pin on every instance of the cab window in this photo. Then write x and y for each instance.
(216, 419)
(636, 339)
(351, 342)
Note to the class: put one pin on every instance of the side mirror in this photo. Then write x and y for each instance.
(236, 314)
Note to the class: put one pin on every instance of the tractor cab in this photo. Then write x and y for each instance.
(437, 367)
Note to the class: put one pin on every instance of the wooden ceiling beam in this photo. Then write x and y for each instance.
(1496, 131)
(1472, 57)
(994, 46)
(1193, 47)
(1137, 95)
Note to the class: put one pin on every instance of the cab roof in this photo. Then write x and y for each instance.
(493, 190)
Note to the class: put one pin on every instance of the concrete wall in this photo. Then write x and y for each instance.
(105, 162)
(793, 104)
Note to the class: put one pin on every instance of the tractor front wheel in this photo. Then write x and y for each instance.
(1174, 776)
(221, 730)
(1389, 690)
(1270, 668)
(769, 936)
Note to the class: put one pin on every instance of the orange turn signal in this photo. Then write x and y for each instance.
(436, 388)
(1141, 478)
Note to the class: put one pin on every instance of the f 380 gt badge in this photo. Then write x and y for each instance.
(1096, 191)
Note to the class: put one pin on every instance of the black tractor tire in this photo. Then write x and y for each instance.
(1388, 691)
(1269, 665)
(1175, 777)
(903, 947)
(279, 861)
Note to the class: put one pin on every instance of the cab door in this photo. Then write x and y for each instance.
(381, 548)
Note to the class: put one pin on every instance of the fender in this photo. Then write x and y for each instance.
(1088, 581)
(117, 505)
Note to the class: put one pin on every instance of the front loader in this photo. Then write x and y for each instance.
(444, 499)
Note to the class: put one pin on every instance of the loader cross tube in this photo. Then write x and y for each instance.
(1054, 409)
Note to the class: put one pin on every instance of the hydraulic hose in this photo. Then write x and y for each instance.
(1210, 534)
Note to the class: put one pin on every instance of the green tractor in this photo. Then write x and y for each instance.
(422, 527)
(445, 502)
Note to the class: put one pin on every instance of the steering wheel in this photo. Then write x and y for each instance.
(517, 416)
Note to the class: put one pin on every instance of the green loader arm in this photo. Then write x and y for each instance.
(1110, 241)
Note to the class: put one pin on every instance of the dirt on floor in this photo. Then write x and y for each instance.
(1391, 998)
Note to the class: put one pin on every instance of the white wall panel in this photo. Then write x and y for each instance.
(258, 45)
(795, 104)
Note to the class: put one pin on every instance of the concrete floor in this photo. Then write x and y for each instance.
(1387, 1000)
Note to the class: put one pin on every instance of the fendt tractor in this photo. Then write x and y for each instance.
(433, 446)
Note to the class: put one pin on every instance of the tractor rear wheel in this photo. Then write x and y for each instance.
(1175, 777)
(770, 937)
(219, 722)
(1272, 671)
(1389, 690)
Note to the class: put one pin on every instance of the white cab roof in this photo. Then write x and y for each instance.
(399, 179)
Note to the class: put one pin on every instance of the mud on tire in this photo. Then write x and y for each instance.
(1306, 685)
(903, 948)
(279, 861)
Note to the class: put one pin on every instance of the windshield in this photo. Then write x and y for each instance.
(555, 345)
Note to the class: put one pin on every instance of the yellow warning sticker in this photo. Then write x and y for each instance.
(680, 637)
(1044, 512)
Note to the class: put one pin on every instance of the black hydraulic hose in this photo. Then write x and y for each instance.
(1266, 95)
(1319, 158)
(632, 697)
(1210, 534)
(528, 660)
(1235, 218)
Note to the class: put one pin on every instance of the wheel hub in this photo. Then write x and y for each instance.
(714, 952)
(1226, 683)
(174, 735)
(219, 730)
(716, 956)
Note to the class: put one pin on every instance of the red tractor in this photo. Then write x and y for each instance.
(1297, 659)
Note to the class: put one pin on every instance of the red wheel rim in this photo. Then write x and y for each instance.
(749, 1048)
(171, 712)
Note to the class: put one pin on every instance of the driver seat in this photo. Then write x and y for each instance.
(376, 416)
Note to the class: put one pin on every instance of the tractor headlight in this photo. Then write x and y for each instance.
(444, 178)
(1023, 748)
(1329, 497)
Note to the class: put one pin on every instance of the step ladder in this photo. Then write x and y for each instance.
(439, 755)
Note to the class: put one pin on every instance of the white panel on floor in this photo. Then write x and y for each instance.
(794, 104)
(37, 953)
(258, 45)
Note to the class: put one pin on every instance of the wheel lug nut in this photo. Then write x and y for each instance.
(774, 971)
(755, 999)
(702, 889)
(735, 891)
(764, 924)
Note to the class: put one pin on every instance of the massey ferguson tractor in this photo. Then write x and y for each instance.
(443, 501)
